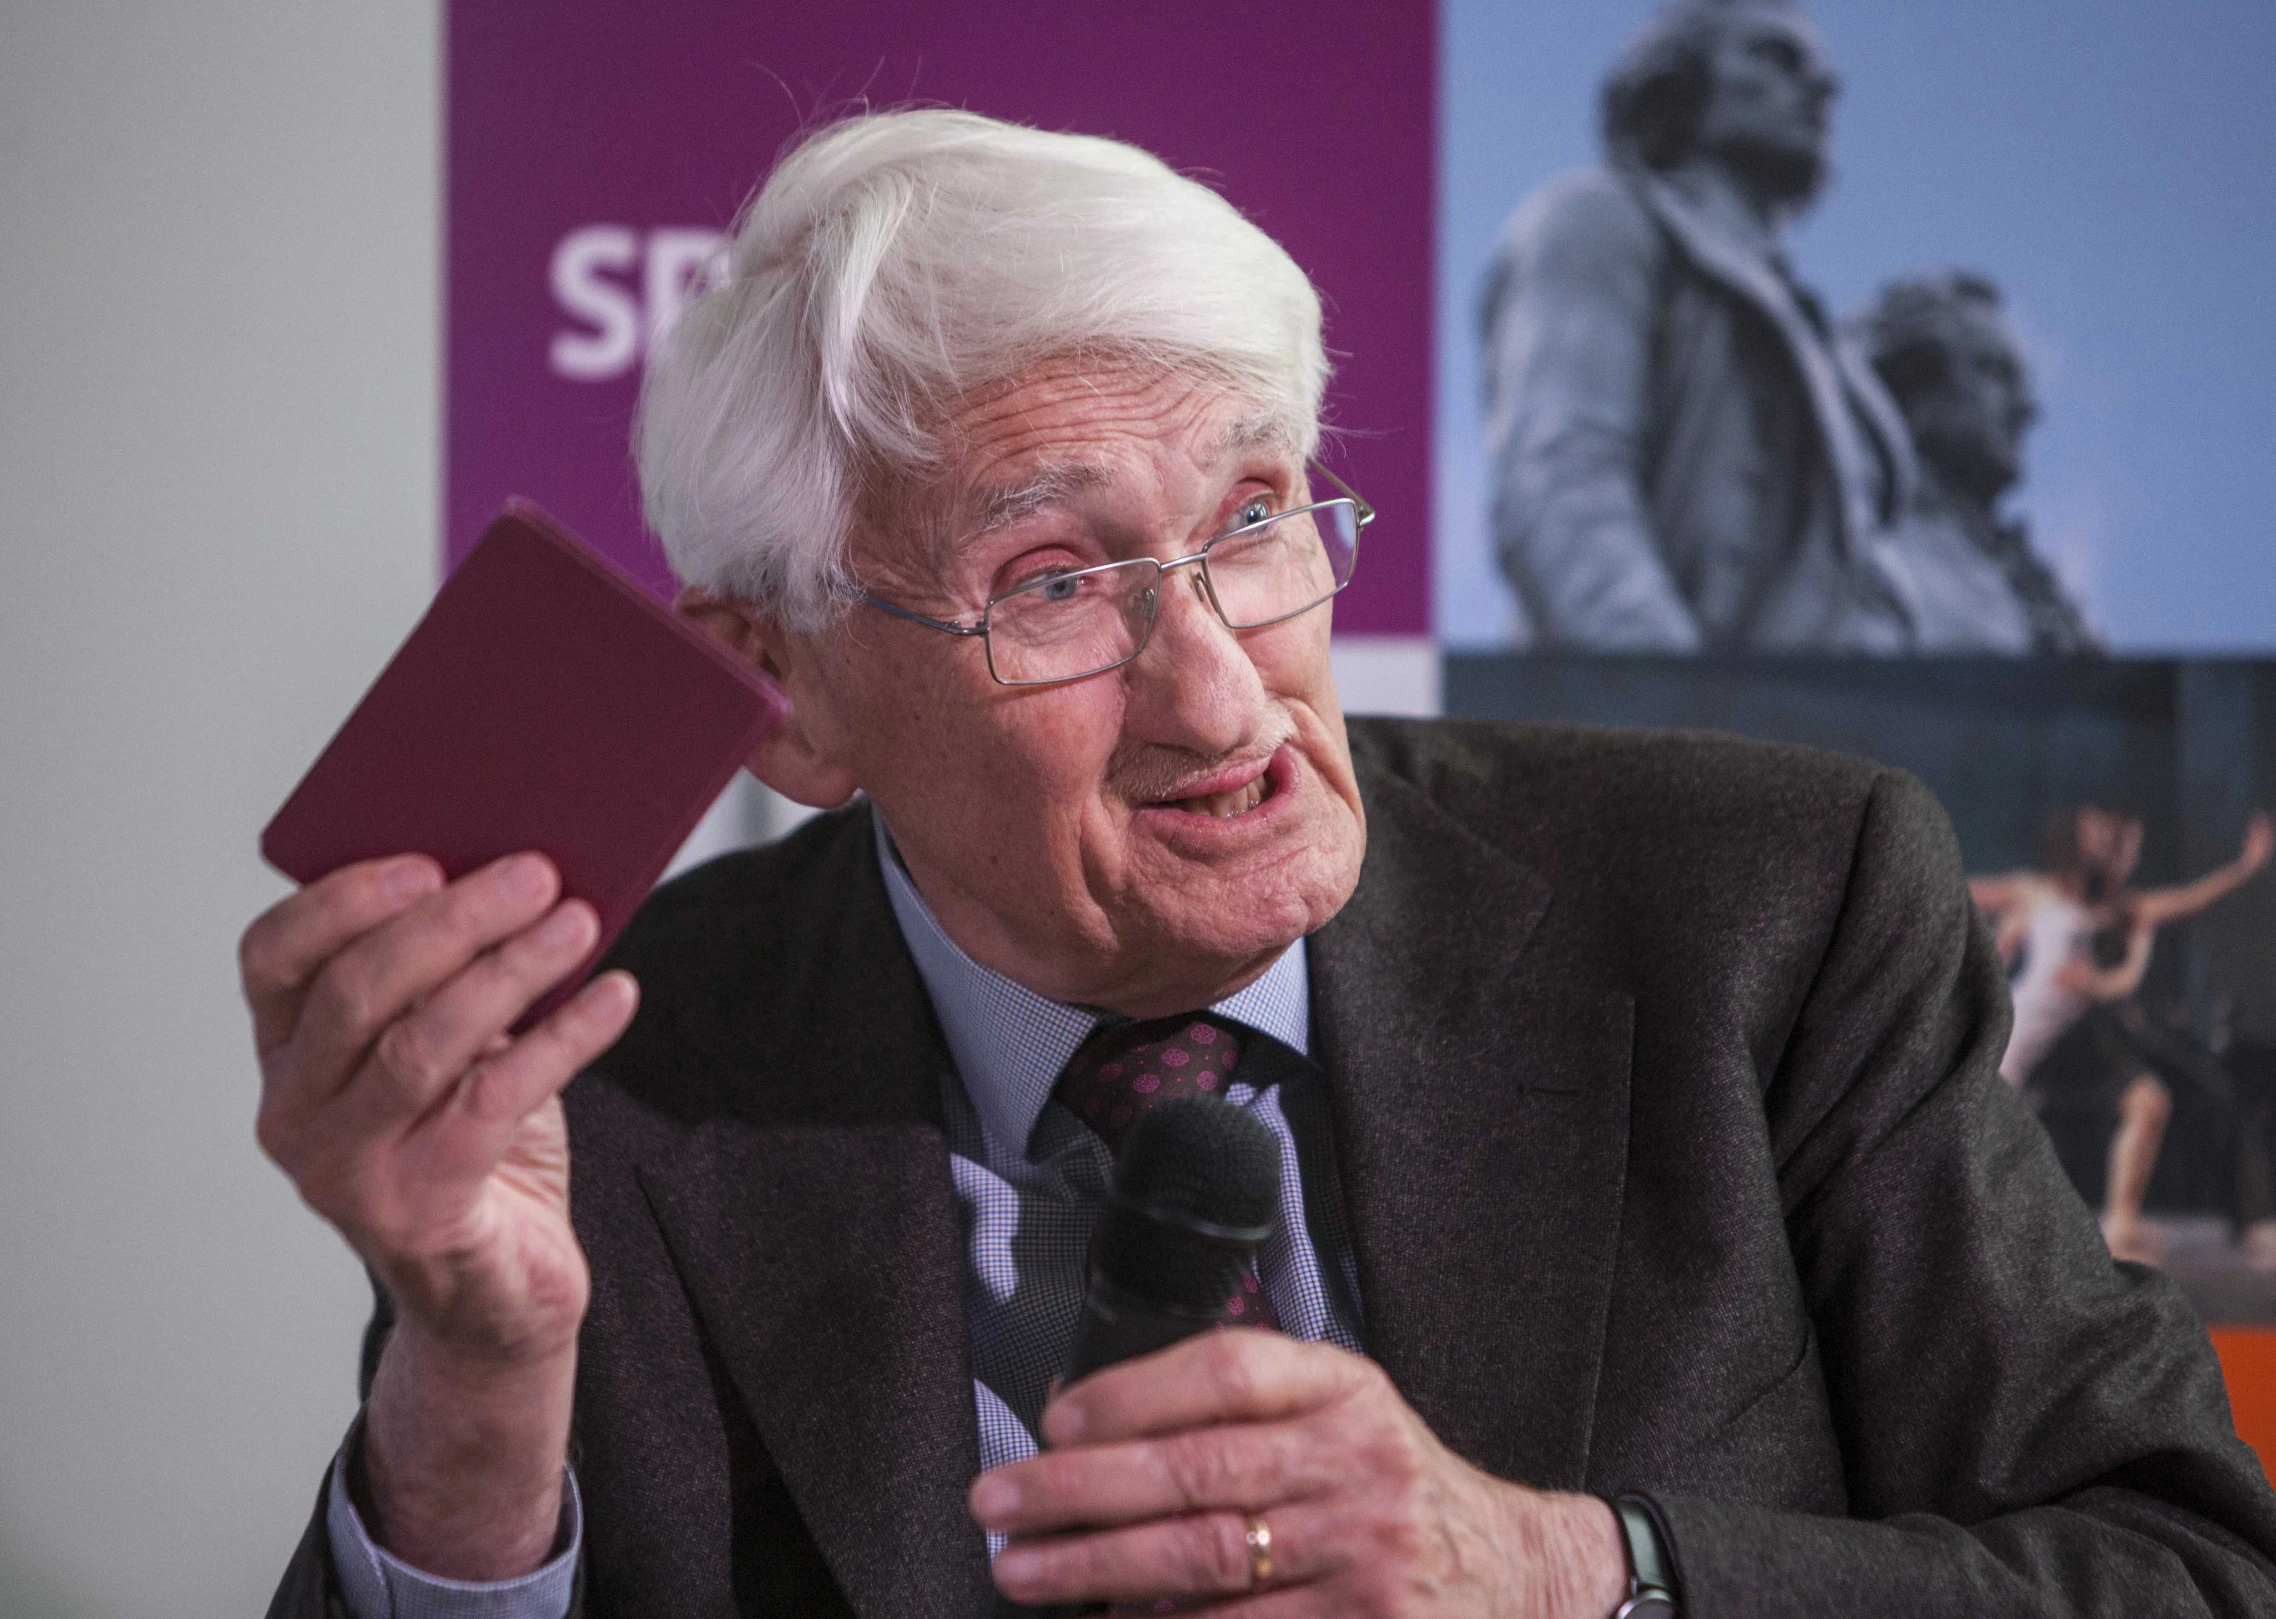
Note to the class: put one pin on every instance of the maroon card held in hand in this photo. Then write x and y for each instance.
(545, 702)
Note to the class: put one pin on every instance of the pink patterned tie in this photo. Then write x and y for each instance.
(1125, 1068)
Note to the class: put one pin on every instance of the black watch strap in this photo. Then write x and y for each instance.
(1651, 1573)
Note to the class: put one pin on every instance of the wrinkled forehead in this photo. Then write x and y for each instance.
(1045, 422)
(1068, 434)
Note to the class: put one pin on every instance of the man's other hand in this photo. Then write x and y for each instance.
(1158, 1468)
(407, 1116)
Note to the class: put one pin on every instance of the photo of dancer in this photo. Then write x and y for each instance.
(2091, 1060)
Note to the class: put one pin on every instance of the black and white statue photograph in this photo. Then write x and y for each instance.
(1814, 327)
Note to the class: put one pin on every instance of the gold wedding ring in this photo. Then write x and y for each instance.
(1259, 1537)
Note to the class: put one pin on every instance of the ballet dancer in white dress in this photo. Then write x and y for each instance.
(2047, 924)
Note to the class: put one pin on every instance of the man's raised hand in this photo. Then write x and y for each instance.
(406, 1115)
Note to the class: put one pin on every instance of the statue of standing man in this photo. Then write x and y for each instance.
(1688, 456)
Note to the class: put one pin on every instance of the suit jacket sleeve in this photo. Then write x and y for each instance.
(1570, 312)
(2027, 1428)
(310, 1588)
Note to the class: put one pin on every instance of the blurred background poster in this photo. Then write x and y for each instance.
(597, 152)
(1896, 381)
(2102, 167)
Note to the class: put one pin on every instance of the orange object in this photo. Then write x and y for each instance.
(2248, 1360)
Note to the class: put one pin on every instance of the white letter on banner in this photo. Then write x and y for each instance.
(680, 262)
(579, 287)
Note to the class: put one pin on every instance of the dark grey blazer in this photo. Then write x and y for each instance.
(1663, 1072)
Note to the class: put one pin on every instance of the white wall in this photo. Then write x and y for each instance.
(218, 428)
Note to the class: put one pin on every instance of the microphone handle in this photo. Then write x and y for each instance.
(1116, 1326)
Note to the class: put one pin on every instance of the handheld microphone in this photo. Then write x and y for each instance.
(1195, 1193)
(1196, 1190)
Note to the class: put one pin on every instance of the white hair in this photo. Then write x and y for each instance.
(893, 263)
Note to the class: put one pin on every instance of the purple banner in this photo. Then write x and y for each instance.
(596, 150)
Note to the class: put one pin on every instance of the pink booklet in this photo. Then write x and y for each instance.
(544, 702)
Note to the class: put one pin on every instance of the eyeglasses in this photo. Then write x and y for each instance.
(1066, 626)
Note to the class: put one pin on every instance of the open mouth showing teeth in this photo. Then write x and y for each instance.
(1224, 806)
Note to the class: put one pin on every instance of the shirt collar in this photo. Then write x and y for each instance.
(1010, 1043)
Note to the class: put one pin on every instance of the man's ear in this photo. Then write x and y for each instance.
(792, 758)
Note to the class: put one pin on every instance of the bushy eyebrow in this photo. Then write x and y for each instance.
(1262, 427)
(991, 509)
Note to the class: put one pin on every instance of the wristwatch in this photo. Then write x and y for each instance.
(1651, 1575)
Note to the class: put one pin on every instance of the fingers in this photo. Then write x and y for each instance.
(1179, 1452)
(287, 944)
(1206, 1554)
(372, 981)
(1244, 1468)
(501, 1091)
(1214, 1377)
(512, 1082)
(429, 1048)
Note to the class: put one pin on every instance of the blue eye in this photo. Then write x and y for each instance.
(1255, 511)
(1063, 587)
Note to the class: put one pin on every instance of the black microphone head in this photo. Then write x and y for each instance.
(1195, 1192)
(1201, 1159)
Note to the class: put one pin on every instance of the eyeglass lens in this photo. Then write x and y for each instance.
(1069, 625)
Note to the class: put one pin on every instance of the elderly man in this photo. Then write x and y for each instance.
(1944, 347)
(1655, 1229)
(1687, 457)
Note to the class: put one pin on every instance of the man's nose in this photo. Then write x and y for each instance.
(1194, 686)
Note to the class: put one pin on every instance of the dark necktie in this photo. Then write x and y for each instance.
(1123, 1069)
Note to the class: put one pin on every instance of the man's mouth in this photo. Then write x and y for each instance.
(1232, 792)
(1225, 806)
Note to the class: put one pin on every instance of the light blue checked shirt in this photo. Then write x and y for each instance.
(1029, 1176)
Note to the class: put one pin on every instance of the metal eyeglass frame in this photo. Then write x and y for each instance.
(1362, 515)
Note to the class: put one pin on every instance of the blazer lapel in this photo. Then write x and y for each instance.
(1480, 1085)
(816, 1231)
